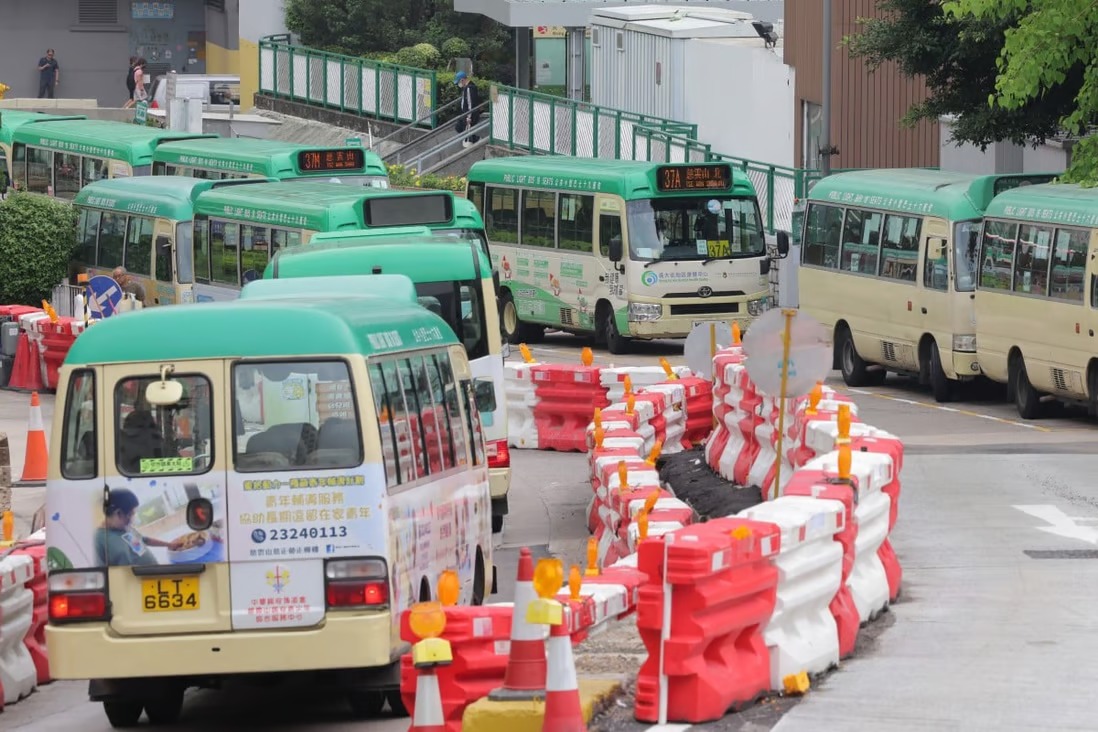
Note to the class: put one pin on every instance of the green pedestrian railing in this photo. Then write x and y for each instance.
(348, 84)
(524, 121)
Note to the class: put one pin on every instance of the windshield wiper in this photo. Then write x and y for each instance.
(650, 262)
(707, 260)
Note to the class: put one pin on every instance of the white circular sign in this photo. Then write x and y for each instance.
(698, 349)
(810, 352)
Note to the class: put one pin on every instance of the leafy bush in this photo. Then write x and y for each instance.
(421, 56)
(456, 48)
(37, 242)
(402, 177)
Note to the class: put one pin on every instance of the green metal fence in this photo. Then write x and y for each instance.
(348, 83)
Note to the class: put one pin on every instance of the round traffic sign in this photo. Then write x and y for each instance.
(809, 352)
(698, 348)
(106, 296)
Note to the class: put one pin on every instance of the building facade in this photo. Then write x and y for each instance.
(866, 107)
(93, 40)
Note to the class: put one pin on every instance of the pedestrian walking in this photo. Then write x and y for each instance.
(140, 94)
(131, 85)
(470, 103)
(49, 75)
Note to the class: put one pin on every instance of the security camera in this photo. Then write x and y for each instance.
(766, 32)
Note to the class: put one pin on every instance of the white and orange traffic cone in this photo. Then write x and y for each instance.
(428, 716)
(524, 678)
(35, 460)
(563, 711)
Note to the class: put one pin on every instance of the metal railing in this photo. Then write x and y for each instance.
(348, 84)
(442, 137)
(68, 300)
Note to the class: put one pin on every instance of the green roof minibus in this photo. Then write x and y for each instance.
(622, 249)
(10, 119)
(145, 225)
(60, 157)
(259, 487)
(238, 229)
(243, 157)
(455, 281)
(888, 263)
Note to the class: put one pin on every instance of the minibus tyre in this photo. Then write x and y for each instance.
(507, 310)
(366, 703)
(165, 709)
(479, 580)
(123, 714)
(854, 370)
(940, 385)
(396, 703)
(1026, 398)
(497, 523)
(616, 343)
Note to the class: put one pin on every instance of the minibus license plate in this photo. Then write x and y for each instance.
(169, 594)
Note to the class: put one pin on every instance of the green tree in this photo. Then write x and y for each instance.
(37, 242)
(1048, 48)
(958, 56)
(370, 27)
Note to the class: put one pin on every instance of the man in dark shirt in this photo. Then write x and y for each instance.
(470, 100)
(49, 75)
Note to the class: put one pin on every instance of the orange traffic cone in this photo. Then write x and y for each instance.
(525, 675)
(34, 462)
(563, 711)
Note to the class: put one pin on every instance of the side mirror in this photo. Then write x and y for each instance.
(485, 392)
(615, 249)
(783, 244)
(166, 392)
(935, 249)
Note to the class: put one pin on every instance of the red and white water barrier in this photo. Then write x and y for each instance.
(18, 676)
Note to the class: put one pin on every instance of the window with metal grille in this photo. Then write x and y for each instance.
(97, 12)
(216, 5)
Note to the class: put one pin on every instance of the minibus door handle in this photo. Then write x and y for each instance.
(602, 278)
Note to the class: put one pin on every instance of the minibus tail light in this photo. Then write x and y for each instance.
(499, 455)
(356, 583)
(78, 597)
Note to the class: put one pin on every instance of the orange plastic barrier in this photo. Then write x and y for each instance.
(567, 396)
(479, 638)
(724, 591)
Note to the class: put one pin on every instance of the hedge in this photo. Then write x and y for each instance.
(37, 242)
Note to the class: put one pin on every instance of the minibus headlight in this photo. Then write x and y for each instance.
(640, 312)
(759, 306)
(965, 343)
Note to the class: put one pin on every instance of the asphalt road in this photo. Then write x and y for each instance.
(998, 517)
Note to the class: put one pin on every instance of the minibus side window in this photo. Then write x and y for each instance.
(386, 425)
(78, 441)
(458, 429)
(295, 415)
(415, 417)
(156, 440)
(441, 410)
(472, 417)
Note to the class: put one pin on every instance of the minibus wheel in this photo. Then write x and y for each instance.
(479, 579)
(165, 709)
(1026, 398)
(616, 343)
(123, 714)
(366, 703)
(853, 368)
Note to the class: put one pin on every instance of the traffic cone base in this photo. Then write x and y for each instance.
(35, 459)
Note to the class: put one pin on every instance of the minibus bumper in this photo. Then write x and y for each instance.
(499, 482)
(965, 365)
(344, 640)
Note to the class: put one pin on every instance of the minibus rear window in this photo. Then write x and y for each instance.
(157, 440)
(295, 415)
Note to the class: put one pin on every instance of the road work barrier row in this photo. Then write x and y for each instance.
(551, 406)
(783, 587)
(23, 662)
(37, 342)
(498, 652)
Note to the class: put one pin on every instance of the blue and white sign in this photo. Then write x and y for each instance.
(106, 296)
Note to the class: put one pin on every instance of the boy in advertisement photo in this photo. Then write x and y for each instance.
(117, 543)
